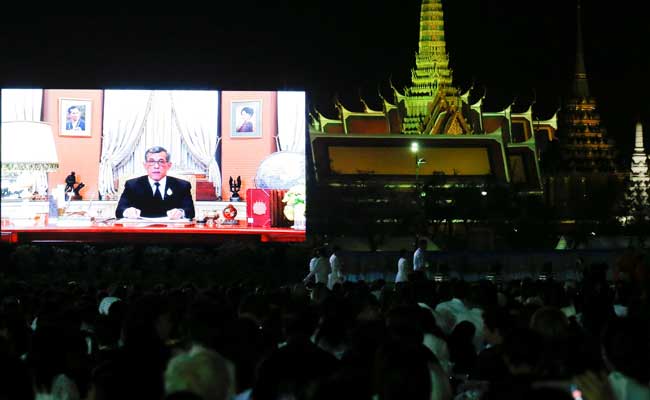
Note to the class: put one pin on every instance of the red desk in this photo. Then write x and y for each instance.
(152, 234)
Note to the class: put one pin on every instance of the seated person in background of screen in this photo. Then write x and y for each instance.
(75, 122)
(156, 194)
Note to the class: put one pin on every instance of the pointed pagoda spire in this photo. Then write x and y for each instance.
(431, 78)
(639, 167)
(580, 83)
(584, 146)
(636, 206)
(431, 71)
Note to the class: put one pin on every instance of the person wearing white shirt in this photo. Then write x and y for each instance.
(402, 267)
(318, 268)
(336, 276)
(419, 257)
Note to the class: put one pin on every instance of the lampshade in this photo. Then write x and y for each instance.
(28, 146)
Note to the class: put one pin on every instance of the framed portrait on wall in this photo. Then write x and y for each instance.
(75, 117)
(246, 119)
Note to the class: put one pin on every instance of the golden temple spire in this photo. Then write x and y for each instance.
(431, 71)
(431, 78)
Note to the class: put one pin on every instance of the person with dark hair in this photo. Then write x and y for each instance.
(75, 121)
(407, 370)
(403, 324)
(156, 194)
(17, 381)
(622, 372)
(460, 308)
(246, 124)
(461, 348)
(58, 359)
(318, 267)
(626, 355)
(70, 180)
(522, 352)
(144, 354)
(291, 369)
(553, 327)
(489, 363)
(108, 381)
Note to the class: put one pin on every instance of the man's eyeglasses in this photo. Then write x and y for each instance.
(159, 162)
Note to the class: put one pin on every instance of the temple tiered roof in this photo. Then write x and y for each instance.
(585, 147)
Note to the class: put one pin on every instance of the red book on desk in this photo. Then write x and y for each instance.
(258, 207)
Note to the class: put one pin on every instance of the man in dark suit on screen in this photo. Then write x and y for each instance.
(156, 194)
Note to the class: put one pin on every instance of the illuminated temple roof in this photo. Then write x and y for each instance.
(501, 145)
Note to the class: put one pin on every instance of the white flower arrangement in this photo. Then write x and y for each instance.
(294, 199)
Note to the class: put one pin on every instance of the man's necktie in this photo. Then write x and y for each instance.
(156, 194)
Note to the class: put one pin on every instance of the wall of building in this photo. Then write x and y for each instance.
(76, 153)
(241, 156)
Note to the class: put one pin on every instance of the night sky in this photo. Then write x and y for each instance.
(515, 50)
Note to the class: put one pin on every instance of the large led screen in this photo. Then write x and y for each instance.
(244, 149)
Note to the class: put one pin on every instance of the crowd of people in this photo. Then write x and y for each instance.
(327, 337)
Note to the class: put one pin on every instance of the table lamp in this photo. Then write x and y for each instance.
(28, 147)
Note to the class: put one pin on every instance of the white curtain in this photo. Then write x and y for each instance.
(25, 105)
(159, 129)
(125, 115)
(291, 121)
(195, 114)
(22, 104)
